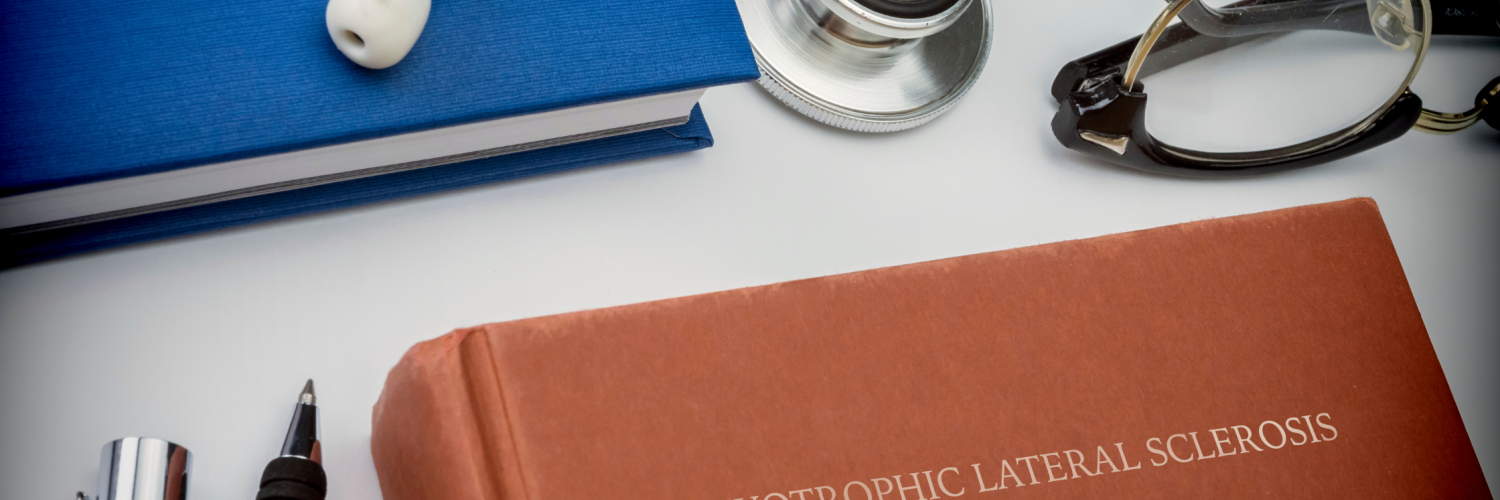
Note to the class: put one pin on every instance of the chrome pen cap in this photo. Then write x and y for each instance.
(138, 468)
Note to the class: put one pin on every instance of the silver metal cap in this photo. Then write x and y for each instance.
(137, 468)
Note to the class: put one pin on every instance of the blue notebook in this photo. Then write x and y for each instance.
(104, 96)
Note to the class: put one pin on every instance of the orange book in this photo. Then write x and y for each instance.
(1274, 355)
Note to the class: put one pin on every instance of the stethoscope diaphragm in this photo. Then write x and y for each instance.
(869, 65)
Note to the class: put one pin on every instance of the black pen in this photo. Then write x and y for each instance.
(298, 473)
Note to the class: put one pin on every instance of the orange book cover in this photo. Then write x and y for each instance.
(1273, 355)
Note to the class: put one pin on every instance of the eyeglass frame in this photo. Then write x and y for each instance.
(1098, 116)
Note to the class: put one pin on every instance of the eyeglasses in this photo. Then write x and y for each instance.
(1257, 86)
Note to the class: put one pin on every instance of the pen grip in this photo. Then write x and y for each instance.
(292, 478)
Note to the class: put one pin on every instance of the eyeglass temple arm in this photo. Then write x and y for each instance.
(1449, 17)
(1466, 17)
(1177, 45)
(1252, 18)
(1225, 27)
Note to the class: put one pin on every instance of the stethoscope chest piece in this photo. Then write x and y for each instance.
(869, 65)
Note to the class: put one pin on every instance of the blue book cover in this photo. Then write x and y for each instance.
(92, 90)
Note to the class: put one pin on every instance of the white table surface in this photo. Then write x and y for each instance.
(206, 340)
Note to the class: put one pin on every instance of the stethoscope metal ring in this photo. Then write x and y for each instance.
(846, 64)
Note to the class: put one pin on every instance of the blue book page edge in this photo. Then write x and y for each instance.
(29, 248)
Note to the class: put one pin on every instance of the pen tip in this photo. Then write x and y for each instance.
(308, 397)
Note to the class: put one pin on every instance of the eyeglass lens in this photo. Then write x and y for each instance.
(1294, 74)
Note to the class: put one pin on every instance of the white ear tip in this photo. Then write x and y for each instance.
(376, 34)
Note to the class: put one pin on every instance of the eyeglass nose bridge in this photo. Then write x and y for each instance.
(1485, 109)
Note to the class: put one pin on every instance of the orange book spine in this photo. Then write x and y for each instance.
(449, 393)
